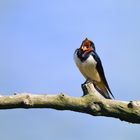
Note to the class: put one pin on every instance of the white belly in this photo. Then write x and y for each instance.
(88, 68)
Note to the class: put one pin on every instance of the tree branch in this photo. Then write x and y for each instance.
(91, 103)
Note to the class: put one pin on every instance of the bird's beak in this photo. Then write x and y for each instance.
(85, 49)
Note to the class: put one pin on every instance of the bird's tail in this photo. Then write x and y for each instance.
(102, 90)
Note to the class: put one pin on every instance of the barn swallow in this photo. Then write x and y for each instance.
(90, 65)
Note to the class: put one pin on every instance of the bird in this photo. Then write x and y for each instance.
(90, 65)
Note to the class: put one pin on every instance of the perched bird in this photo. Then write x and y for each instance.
(90, 66)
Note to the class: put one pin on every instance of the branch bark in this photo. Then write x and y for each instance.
(91, 103)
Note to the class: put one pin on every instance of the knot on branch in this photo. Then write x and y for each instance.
(61, 96)
(27, 102)
(133, 104)
(95, 107)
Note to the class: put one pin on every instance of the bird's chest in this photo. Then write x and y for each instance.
(89, 62)
(88, 67)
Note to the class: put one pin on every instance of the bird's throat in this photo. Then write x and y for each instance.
(83, 55)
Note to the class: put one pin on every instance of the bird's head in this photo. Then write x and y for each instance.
(87, 46)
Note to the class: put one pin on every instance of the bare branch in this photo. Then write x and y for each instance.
(91, 103)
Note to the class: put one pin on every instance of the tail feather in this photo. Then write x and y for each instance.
(103, 90)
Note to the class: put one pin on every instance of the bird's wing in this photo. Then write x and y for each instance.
(101, 71)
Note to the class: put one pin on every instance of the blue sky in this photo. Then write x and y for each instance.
(37, 41)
